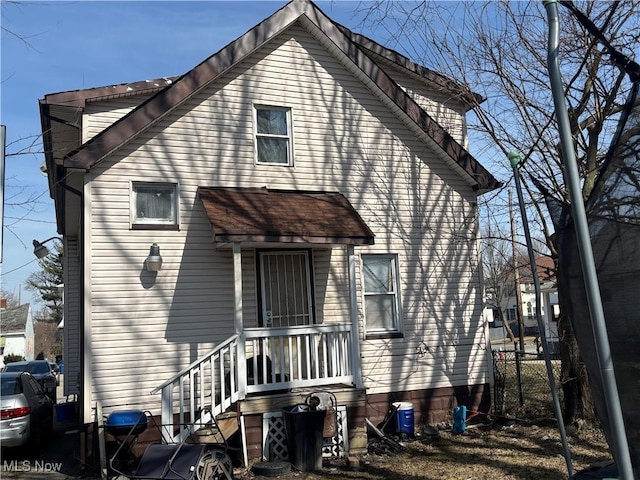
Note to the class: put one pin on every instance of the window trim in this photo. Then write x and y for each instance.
(397, 330)
(288, 136)
(154, 224)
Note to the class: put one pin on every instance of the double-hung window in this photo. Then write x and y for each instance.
(381, 294)
(273, 135)
(154, 205)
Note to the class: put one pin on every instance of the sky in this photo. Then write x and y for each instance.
(74, 45)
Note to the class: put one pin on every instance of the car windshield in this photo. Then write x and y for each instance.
(35, 367)
(10, 386)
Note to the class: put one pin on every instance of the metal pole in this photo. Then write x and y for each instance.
(594, 301)
(514, 158)
(516, 276)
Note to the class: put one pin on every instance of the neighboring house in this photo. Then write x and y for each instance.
(504, 307)
(296, 213)
(16, 331)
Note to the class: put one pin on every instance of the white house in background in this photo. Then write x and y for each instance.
(549, 305)
(16, 331)
(298, 212)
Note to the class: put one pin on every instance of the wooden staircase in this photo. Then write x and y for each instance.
(219, 432)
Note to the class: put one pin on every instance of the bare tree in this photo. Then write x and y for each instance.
(21, 202)
(497, 267)
(498, 49)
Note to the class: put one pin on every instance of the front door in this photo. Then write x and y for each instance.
(286, 288)
(285, 278)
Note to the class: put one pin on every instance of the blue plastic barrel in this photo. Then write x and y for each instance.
(404, 417)
(459, 419)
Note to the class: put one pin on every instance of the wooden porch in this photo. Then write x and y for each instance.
(260, 371)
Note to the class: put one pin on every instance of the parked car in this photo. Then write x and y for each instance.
(41, 371)
(56, 371)
(26, 411)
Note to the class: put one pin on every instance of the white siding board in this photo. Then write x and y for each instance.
(99, 115)
(345, 140)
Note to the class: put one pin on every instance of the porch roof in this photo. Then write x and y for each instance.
(283, 216)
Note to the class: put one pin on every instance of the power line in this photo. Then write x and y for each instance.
(18, 268)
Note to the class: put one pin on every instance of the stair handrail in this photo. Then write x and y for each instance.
(196, 363)
(166, 388)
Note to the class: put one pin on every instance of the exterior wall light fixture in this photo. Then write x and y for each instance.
(39, 250)
(153, 262)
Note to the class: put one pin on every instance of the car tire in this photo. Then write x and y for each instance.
(271, 469)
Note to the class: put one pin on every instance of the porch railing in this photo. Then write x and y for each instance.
(276, 359)
(301, 356)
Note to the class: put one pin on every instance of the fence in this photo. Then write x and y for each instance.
(521, 385)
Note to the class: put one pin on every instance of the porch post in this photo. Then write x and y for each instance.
(356, 366)
(237, 320)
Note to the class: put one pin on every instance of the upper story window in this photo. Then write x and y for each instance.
(154, 205)
(381, 295)
(273, 135)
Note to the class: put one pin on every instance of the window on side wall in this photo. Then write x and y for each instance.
(273, 135)
(381, 295)
(154, 205)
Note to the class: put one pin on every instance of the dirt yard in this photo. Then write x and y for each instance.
(511, 451)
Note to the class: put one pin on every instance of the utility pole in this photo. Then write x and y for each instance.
(516, 274)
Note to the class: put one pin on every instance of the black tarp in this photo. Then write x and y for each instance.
(613, 214)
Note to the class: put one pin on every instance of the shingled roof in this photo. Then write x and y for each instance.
(14, 320)
(264, 215)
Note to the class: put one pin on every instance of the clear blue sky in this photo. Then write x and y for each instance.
(76, 45)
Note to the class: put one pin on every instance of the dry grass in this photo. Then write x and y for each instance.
(518, 451)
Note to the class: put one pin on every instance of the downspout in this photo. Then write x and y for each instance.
(592, 287)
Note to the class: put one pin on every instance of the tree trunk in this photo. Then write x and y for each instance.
(578, 402)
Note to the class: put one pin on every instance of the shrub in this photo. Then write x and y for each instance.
(12, 357)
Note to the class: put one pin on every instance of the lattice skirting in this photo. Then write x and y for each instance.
(274, 439)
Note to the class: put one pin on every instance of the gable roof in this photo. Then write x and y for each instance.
(264, 215)
(14, 320)
(351, 47)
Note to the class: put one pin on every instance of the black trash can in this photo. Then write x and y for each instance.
(303, 427)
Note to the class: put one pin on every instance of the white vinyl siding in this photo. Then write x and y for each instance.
(100, 114)
(345, 140)
(444, 108)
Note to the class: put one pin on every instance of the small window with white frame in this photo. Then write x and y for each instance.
(381, 295)
(154, 205)
(273, 135)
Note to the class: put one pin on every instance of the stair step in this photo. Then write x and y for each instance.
(227, 426)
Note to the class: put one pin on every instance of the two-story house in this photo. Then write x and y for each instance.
(297, 212)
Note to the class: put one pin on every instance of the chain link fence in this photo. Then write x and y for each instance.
(521, 386)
